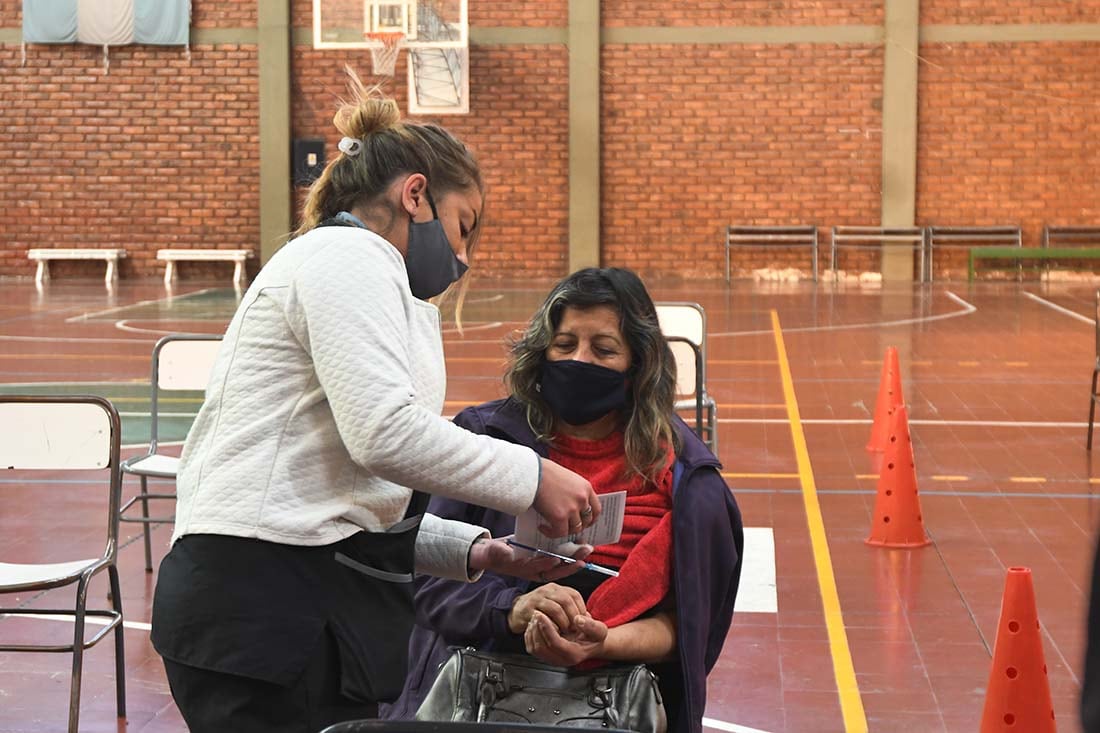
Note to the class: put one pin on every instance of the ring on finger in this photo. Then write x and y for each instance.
(586, 512)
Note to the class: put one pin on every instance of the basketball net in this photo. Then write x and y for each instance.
(384, 57)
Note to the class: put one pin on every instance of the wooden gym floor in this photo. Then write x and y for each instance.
(830, 634)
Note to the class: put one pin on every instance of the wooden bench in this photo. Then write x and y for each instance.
(43, 257)
(968, 237)
(1041, 254)
(172, 256)
(768, 237)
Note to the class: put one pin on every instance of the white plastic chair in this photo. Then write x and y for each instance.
(67, 433)
(685, 327)
(181, 362)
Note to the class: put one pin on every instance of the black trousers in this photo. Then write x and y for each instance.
(214, 702)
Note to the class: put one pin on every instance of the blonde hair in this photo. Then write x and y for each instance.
(389, 147)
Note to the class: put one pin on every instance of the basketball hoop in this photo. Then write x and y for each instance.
(384, 56)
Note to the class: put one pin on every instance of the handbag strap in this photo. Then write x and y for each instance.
(490, 689)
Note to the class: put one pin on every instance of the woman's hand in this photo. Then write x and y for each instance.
(544, 641)
(565, 500)
(497, 556)
(559, 603)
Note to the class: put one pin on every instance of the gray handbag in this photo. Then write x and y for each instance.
(474, 686)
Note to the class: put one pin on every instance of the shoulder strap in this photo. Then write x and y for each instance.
(418, 504)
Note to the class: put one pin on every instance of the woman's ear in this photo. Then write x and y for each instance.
(413, 193)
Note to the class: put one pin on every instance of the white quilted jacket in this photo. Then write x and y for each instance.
(324, 405)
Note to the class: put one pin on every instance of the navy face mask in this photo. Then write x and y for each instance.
(579, 392)
(431, 263)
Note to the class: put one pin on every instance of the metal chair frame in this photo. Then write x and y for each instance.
(878, 238)
(23, 577)
(967, 237)
(1094, 398)
(694, 334)
(192, 379)
(787, 237)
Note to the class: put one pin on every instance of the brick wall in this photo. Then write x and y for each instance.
(161, 151)
(742, 13)
(747, 135)
(155, 153)
(982, 12)
(1008, 134)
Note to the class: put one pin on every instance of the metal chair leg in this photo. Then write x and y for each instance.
(712, 427)
(1092, 408)
(78, 655)
(145, 525)
(120, 652)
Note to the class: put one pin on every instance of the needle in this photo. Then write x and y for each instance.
(565, 558)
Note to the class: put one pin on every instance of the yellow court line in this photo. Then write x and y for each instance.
(1016, 363)
(950, 478)
(760, 475)
(851, 706)
(970, 363)
(741, 361)
(479, 359)
(867, 476)
(1027, 479)
(1094, 480)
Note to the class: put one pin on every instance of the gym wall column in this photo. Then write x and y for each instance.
(899, 130)
(584, 134)
(273, 20)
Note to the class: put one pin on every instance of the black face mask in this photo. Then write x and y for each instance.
(579, 392)
(431, 263)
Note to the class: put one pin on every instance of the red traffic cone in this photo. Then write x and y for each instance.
(1018, 695)
(889, 397)
(897, 520)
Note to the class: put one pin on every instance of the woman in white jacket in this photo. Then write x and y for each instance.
(284, 603)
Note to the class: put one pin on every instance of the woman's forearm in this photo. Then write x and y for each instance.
(649, 639)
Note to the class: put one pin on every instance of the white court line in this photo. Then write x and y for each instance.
(116, 309)
(96, 620)
(967, 310)
(731, 727)
(124, 325)
(483, 327)
(72, 340)
(1060, 309)
(756, 592)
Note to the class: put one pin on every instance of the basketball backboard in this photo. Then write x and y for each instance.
(435, 39)
(425, 23)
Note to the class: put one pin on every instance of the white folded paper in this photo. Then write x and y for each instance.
(606, 531)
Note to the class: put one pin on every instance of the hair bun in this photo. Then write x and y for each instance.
(368, 111)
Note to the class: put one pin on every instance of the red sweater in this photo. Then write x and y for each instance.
(643, 553)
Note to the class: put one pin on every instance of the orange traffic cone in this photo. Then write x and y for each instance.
(889, 397)
(1018, 695)
(897, 521)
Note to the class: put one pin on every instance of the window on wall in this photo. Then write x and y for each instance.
(391, 17)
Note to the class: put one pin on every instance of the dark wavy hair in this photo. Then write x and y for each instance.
(648, 428)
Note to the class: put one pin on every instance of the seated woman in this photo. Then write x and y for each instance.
(592, 384)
